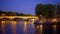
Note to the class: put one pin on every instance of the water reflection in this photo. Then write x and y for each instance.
(19, 27)
(3, 27)
(54, 29)
(13, 26)
(25, 27)
(39, 29)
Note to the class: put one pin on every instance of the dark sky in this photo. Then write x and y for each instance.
(24, 6)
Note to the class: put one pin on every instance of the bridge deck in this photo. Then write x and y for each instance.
(33, 17)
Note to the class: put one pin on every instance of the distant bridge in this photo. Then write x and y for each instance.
(23, 17)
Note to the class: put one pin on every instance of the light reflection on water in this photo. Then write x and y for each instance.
(25, 27)
(17, 27)
(54, 28)
(3, 27)
(13, 27)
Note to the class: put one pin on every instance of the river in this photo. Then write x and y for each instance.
(25, 27)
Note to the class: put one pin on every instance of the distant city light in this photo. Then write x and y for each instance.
(54, 20)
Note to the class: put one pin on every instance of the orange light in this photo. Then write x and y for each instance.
(54, 20)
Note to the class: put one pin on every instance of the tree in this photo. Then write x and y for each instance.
(44, 10)
(10, 13)
(50, 10)
(2, 12)
(58, 10)
(39, 10)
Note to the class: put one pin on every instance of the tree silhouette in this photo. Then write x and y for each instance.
(45, 10)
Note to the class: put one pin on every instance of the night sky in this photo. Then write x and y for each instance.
(23, 6)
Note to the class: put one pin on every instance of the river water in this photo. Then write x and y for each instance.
(25, 27)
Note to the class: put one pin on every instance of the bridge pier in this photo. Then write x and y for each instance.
(32, 21)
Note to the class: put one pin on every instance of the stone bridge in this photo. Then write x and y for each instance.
(23, 17)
